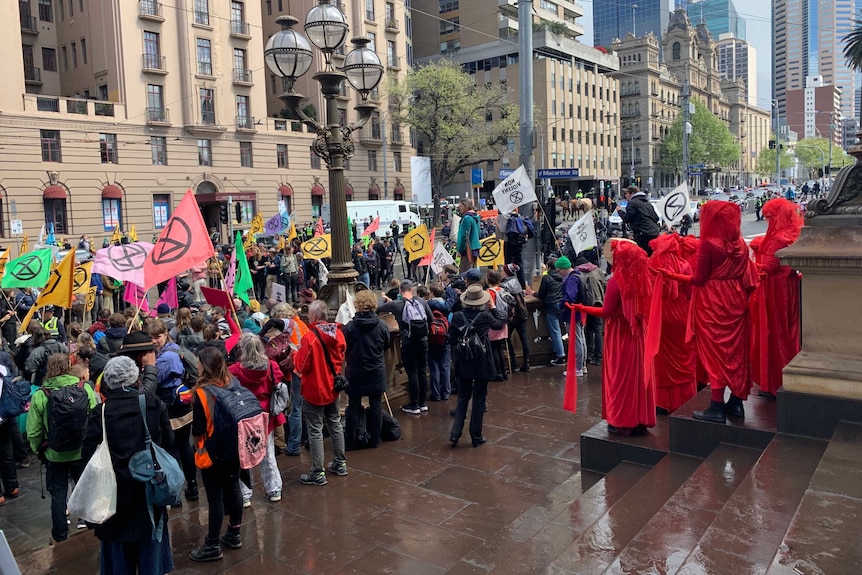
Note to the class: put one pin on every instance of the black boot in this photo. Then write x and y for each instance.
(733, 407)
(209, 551)
(714, 413)
(526, 367)
(192, 491)
(231, 538)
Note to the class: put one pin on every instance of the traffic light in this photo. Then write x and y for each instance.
(238, 207)
(222, 213)
(771, 144)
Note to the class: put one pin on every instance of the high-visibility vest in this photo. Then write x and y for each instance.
(51, 326)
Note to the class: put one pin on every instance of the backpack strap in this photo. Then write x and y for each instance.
(325, 352)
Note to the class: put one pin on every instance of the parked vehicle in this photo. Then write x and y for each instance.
(405, 213)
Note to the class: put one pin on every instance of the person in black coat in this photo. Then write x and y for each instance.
(127, 539)
(367, 338)
(641, 217)
(473, 373)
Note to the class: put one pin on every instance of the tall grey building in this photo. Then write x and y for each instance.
(719, 16)
(613, 19)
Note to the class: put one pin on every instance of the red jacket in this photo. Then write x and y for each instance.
(311, 364)
(259, 382)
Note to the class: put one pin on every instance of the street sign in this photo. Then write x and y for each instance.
(16, 227)
(510, 144)
(695, 166)
(560, 173)
(476, 177)
(504, 173)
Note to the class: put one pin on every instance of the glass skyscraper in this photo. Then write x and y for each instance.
(719, 15)
(615, 18)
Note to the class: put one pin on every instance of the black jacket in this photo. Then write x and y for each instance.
(551, 291)
(641, 216)
(485, 320)
(367, 338)
(125, 430)
(113, 340)
(396, 308)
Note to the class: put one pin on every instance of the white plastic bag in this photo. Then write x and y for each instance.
(94, 498)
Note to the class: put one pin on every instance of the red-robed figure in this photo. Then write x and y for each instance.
(688, 250)
(671, 361)
(720, 320)
(628, 399)
(777, 301)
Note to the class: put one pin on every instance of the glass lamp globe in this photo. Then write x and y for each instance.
(362, 66)
(326, 26)
(288, 53)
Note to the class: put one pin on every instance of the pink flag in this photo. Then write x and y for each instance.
(318, 228)
(182, 244)
(373, 227)
(230, 277)
(135, 295)
(169, 296)
(426, 261)
(124, 262)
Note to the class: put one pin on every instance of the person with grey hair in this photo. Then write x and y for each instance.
(127, 543)
(322, 346)
(259, 374)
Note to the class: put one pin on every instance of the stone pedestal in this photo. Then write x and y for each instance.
(823, 383)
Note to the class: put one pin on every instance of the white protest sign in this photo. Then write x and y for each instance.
(279, 294)
(583, 233)
(439, 258)
(514, 191)
(674, 206)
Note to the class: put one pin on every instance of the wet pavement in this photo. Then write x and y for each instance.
(521, 504)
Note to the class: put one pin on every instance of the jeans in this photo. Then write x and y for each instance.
(57, 475)
(553, 320)
(294, 418)
(290, 286)
(580, 347)
(364, 279)
(594, 333)
(521, 328)
(8, 472)
(414, 356)
(268, 471)
(316, 416)
(221, 483)
(478, 390)
(182, 451)
(439, 360)
(373, 419)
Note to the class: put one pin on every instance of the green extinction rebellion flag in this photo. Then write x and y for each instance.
(29, 270)
(242, 281)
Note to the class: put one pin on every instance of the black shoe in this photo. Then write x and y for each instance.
(480, 441)
(192, 491)
(559, 361)
(231, 539)
(209, 551)
(661, 411)
(733, 407)
(714, 413)
(525, 368)
(453, 442)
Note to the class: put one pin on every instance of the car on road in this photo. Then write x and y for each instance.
(81, 256)
(695, 210)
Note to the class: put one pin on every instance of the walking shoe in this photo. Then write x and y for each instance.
(246, 502)
(192, 491)
(26, 462)
(423, 408)
(581, 372)
(410, 409)
(714, 413)
(81, 524)
(313, 478)
(209, 551)
(525, 368)
(292, 453)
(733, 407)
(231, 538)
(275, 496)
(13, 494)
(559, 360)
(339, 469)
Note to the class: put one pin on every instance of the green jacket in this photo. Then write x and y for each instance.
(468, 231)
(37, 418)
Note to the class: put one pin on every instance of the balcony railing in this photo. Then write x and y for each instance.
(153, 63)
(103, 109)
(158, 116)
(33, 74)
(239, 28)
(76, 107)
(392, 24)
(44, 104)
(393, 62)
(242, 76)
(244, 123)
(28, 24)
(150, 10)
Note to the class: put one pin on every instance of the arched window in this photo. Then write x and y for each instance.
(637, 87)
(54, 202)
(675, 51)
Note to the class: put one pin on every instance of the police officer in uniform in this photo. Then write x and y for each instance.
(53, 324)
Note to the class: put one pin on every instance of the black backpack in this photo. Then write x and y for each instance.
(415, 320)
(15, 398)
(521, 312)
(469, 346)
(233, 404)
(191, 366)
(68, 408)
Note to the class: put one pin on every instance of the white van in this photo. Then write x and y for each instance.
(405, 213)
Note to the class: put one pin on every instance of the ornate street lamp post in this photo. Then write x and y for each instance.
(288, 54)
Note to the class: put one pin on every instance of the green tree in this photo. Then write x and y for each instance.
(853, 51)
(458, 122)
(766, 160)
(710, 141)
(811, 159)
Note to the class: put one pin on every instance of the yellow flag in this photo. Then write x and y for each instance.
(318, 247)
(491, 253)
(115, 237)
(81, 283)
(4, 259)
(60, 289)
(291, 235)
(26, 321)
(256, 228)
(417, 243)
(280, 243)
(91, 298)
(24, 245)
(133, 233)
